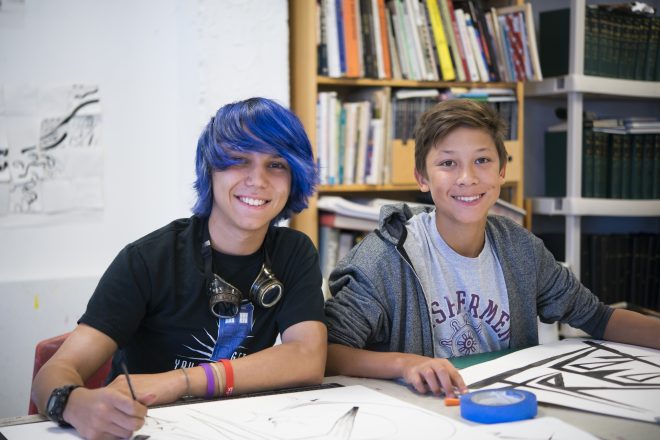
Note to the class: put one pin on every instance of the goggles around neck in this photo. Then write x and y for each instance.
(225, 299)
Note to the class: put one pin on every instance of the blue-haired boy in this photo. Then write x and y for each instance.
(195, 307)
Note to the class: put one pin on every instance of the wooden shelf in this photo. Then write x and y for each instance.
(369, 82)
(306, 83)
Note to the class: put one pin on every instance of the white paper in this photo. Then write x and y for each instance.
(537, 429)
(50, 147)
(601, 377)
(354, 412)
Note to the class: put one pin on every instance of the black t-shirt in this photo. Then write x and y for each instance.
(153, 299)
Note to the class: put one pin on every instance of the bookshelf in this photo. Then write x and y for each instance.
(576, 89)
(306, 84)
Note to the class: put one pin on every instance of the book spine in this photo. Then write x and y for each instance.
(322, 44)
(461, 22)
(590, 42)
(447, 8)
(351, 39)
(515, 40)
(587, 161)
(626, 166)
(652, 49)
(341, 37)
(441, 45)
(384, 34)
(334, 69)
(636, 166)
(656, 167)
(647, 166)
(378, 42)
(478, 49)
(615, 164)
(600, 164)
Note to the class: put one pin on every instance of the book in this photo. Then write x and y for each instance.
(351, 39)
(479, 50)
(369, 40)
(636, 166)
(656, 168)
(384, 35)
(555, 161)
(531, 43)
(554, 42)
(615, 165)
(340, 221)
(427, 41)
(647, 166)
(322, 42)
(447, 11)
(330, 15)
(378, 40)
(441, 45)
(341, 38)
(600, 164)
(461, 23)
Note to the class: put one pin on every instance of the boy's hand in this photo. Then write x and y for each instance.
(432, 375)
(105, 413)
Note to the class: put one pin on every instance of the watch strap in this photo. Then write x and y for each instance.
(57, 403)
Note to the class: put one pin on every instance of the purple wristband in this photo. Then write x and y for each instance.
(210, 380)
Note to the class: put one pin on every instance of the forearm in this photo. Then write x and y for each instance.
(633, 328)
(52, 375)
(357, 362)
(288, 364)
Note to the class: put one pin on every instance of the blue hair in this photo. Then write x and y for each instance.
(261, 125)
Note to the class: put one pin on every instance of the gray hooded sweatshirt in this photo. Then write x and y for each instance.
(378, 303)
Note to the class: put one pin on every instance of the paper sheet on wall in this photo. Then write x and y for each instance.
(601, 377)
(353, 412)
(51, 158)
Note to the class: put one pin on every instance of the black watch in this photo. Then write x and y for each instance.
(57, 402)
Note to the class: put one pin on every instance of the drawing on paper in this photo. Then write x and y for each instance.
(50, 149)
(603, 377)
(341, 413)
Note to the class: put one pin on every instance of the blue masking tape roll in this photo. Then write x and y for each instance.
(498, 406)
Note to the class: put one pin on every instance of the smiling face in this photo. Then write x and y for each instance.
(464, 177)
(247, 196)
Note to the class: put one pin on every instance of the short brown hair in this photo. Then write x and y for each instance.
(437, 122)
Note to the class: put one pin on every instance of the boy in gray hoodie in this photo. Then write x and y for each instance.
(432, 284)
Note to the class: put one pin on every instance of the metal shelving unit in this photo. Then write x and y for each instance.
(577, 87)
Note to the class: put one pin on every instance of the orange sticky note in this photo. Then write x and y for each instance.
(452, 401)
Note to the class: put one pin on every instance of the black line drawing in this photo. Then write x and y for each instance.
(613, 379)
(62, 161)
(319, 414)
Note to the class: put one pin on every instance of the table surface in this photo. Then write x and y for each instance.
(602, 426)
(605, 427)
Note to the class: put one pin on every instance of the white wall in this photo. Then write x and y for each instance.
(163, 67)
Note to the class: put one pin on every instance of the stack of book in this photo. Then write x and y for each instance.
(617, 267)
(620, 41)
(620, 159)
(426, 40)
(355, 131)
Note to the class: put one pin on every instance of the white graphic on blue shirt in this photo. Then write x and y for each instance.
(464, 339)
(228, 343)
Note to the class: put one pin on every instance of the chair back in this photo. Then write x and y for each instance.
(47, 348)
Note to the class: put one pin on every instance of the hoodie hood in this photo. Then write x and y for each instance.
(393, 218)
